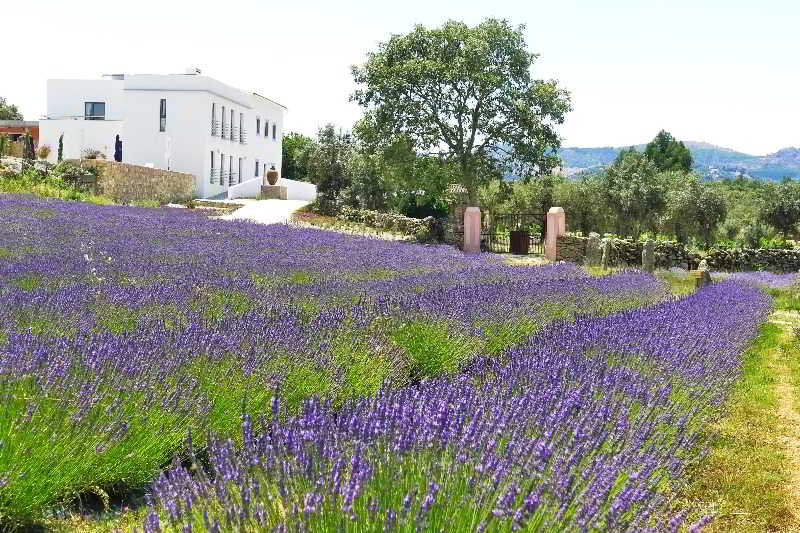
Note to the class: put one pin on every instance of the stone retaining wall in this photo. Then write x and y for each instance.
(128, 183)
(771, 259)
(626, 252)
(668, 254)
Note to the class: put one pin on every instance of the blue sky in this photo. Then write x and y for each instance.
(725, 72)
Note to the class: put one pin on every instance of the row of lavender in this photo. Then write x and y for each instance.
(589, 426)
(121, 328)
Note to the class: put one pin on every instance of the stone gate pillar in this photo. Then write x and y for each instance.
(472, 229)
(556, 225)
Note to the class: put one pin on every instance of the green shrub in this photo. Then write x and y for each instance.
(421, 228)
(74, 174)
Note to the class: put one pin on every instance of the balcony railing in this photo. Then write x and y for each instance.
(214, 175)
(215, 128)
(243, 136)
(232, 179)
(226, 131)
(234, 134)
(223, 178)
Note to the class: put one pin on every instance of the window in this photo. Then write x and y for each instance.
(266, 128)
(258, 126)
(212, 166)
(162, 115)
(231, 124)
(240, 170)
(273, 131)
(223, 122)
(94, 111)
(256, 167)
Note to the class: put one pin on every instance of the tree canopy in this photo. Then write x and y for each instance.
(294, 156)
(782, 208)
(667, 153)
(465, 94)
(633, 192)
(9, 111)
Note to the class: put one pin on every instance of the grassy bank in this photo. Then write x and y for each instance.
(743, 481)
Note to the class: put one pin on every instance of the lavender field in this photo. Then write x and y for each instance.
(256, 377)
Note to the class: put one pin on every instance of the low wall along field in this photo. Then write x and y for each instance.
(128, 183)
(668, 254)
(774, 260)
(626, 252)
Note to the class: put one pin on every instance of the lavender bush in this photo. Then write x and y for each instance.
(122, 328)
(586, 427)
(764, 279)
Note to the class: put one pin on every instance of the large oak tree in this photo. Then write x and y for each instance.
(466, 94)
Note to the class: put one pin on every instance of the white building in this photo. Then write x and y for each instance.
(183, 122)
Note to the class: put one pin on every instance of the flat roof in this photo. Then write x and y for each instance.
(270, 100)
(18, 123)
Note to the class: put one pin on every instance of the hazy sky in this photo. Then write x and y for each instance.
(726, 71)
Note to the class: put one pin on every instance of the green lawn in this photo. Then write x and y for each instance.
(743, 481)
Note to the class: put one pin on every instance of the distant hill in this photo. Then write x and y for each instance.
(710, 161)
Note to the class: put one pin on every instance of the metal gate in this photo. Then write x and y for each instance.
(500, 233)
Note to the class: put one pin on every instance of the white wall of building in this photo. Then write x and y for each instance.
(295, 190)
(180, 145)
(78, 136)
(247, 189)
(299, 190)
(66, 98)
(132, 108)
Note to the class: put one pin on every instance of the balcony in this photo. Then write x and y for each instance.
(215, 129)
(234, 134)
(232, 179)
(226, 131)
(243, 136)
(214, 175)
(223, 177)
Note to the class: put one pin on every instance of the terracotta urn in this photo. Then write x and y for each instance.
(272, 176)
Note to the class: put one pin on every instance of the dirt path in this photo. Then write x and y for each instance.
(789, 407)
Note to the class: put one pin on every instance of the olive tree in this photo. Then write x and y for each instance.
(467, 95)
(781, 209)
(634, 193)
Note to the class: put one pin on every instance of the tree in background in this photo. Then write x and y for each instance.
(465, 94)
(693, 209)
(5, 144)
(367, 188)
(8, 111)
(60, 147)
(781, 208)
(28, 151)
(328, 162)
(667, 153)
(582, 200)
(634, 193)
(295, 150)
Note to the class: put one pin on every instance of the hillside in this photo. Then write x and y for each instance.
(709, 160)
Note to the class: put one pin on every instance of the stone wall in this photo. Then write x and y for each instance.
(771, 259)
(626, 252)
(571, 248)
(668, 254)
(128, 183)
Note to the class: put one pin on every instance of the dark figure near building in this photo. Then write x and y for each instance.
(118, 150)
